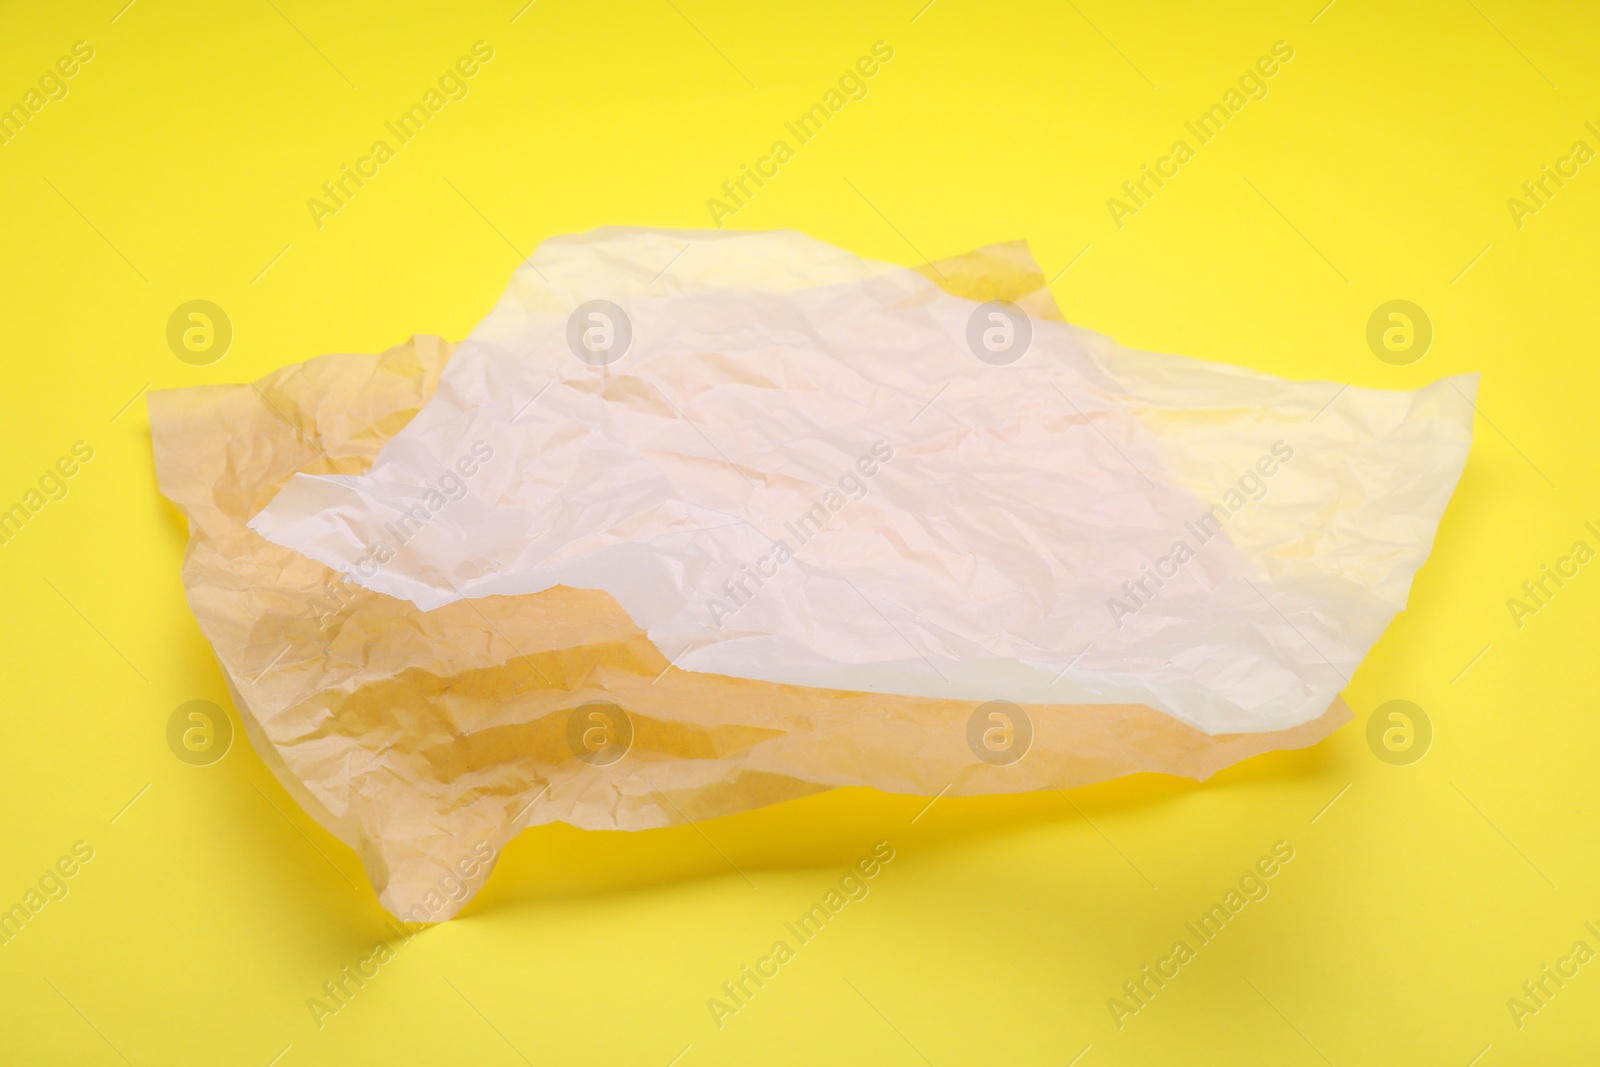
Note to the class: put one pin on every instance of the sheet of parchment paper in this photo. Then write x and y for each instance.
(791, 464)
(428, 739)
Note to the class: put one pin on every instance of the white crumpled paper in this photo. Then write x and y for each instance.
(794, 465)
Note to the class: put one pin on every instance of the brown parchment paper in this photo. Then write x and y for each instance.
(427, 740)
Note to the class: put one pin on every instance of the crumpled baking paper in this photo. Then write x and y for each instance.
(537, 687)
(805, 468)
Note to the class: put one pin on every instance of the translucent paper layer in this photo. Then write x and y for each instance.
(795, 465)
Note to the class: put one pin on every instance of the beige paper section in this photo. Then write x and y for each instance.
(427, 740)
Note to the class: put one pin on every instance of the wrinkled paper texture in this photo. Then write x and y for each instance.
(803, 469)
(426, 739)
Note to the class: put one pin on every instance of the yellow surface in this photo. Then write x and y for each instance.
(1378, 167)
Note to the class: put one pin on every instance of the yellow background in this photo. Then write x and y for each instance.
(1377, 168)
